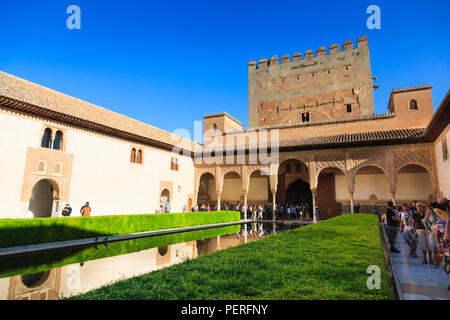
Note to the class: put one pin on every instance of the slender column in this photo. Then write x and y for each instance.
(218, 201)
(393, 198)
(314, 192)
(352, 203)
(274, 206)
(245, 205)
(245, 233)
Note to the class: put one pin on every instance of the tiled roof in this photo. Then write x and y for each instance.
(29, 93)
(399, 136)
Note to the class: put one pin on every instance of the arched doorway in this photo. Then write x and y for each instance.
(206, 189)
(165, 199)
(41, 201)
(289, 172)
(299, 192)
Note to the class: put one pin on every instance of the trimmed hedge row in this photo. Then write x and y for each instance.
(44, 261)
(328, 260)
(17, 232)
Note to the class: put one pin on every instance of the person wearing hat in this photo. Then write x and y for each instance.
(67, 210)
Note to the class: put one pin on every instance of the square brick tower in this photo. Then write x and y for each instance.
(334, 85)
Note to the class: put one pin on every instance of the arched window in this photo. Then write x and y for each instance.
(214, 127)
(133, 155)
(176, 164)
(139, 157)
(171, 164)
(298, 167)
(47, 138)
(57, 143)
(413, 105)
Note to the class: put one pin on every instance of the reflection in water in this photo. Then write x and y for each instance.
(78, 278)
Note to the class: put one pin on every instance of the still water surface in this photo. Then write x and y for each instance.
(81, 277)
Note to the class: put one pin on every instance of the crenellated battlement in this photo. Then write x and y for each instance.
(309, 54)
(412, 88)
(312, 86)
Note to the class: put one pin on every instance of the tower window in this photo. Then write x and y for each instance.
(139, 157)
(214, 127)
(57, 143)
(413, 105)
(349, 108)
(47, 138)
(133, 156)
(305, 117)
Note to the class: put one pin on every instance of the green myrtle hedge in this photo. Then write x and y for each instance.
(15, 232)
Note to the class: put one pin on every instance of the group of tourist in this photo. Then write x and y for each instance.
(426, 225)
(164, 208)
(298, 211)
(85, 210)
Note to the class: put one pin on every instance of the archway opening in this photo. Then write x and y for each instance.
(289, 172)
(371, 188)
(206, 189)
(35, 280)
(413, 183)
(299, 192)
(41, 201)
(258, 189)
(232, 189)
(165, 200)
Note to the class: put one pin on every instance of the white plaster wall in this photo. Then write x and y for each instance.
(258, 189)
(413, 186)
(103, 175)
(443, 167)
(410, 186)
(341, 187)
(17, 134)
(231, 189)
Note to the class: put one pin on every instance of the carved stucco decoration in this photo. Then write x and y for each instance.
(366, 159)
(421, 157)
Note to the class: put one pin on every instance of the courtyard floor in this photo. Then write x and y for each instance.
(418, 281)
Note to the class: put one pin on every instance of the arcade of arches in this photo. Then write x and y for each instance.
(336, 181)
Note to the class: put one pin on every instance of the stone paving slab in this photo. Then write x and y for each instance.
(419, 281)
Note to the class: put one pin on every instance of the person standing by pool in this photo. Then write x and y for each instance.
(406, 227)
(430, 221)
(421, 232)
(66, 211)
(391, 226)
(85, 210)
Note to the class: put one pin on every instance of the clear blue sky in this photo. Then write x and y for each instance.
(168, 63)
